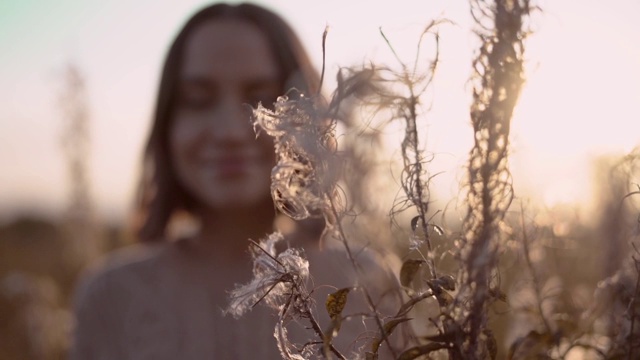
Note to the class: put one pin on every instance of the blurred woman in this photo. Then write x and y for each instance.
(164, 299)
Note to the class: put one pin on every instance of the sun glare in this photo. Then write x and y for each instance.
(579, 103)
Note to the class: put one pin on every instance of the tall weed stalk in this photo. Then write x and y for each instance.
(497, 80)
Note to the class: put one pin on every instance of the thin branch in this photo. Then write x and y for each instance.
(358, 269)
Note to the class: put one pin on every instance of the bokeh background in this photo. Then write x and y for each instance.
(66, 188)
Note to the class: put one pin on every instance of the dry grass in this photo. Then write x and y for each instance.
(544, 312)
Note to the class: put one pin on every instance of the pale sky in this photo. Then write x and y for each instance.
(581, 98)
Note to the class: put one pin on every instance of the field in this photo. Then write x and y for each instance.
(494, 275)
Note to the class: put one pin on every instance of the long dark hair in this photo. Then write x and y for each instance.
(160, 194)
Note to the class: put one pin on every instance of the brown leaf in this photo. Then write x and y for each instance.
(409, 270)
(388, 327)
(414, 223)
(416, 351)
(446, 282)
(406, 307)
(498, 294)
(447, 337)
(336, 302)
(438, 229)
(444, 299)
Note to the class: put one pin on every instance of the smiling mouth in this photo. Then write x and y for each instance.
(227, 168)
(231, 167)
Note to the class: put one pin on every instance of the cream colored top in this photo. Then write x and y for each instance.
(157, 302)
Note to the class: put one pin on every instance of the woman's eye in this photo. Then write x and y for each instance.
(195, 101)
(196, 97)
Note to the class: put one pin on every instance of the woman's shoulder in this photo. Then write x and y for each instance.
(119, 268)
(110, 297)
(126, 259)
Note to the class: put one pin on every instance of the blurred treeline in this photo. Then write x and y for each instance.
(39, 266)
(573, 252)
(42, 257)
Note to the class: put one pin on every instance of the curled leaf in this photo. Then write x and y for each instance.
(388, 327)
(444, 298)
(446, 282)
(409, 270)
(414, 223)
(406, 307)
(498, 294)
(447, 337)
(416, 351)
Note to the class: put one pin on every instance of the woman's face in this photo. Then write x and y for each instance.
(227, 66)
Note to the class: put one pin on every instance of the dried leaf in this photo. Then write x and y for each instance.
(406, 307)
(388, 329)
(447, 337)
(446, 282)
(416, 351)
(409, 270)
(414, 223)
(444, 299)
(498, 294)
(336, 302)
(392, 324)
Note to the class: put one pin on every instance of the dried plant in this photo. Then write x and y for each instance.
(458, 301)
(303, 181)
(279, 280)
(497, 82)
(303, 185)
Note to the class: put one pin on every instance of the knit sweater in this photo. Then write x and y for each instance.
(155, 302)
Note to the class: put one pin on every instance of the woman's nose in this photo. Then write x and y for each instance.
(233, 121)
